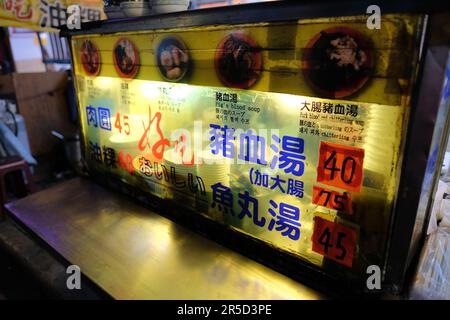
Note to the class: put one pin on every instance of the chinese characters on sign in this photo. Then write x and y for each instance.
(22, 10)
(273, 182)
(285, 218)
(54, 14)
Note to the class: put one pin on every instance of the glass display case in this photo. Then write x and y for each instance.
(286, 131)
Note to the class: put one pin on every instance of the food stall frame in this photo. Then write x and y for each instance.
(400, 246)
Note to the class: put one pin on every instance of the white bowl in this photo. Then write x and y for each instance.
(166, 6)
(135, 9)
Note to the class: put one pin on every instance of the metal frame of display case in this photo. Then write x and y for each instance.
(417, 143)
(254, 13)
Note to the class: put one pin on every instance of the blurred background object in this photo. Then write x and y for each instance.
(166, 6)
(135, 8)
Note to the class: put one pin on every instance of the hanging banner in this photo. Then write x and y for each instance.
(46, 15)
(289, 132)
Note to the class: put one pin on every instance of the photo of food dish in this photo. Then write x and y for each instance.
(238, 61)
(173, 59)
(90, 58)
(338, 62)
(126, 58)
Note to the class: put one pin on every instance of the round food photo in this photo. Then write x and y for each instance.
(238, 61)
(90, 58)
(126, 58)
(338, 62)
(173, 59)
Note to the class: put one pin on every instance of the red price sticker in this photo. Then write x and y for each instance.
(340, 166)
(126, 162)
(334, 241)
(332, 199)
(118, 124)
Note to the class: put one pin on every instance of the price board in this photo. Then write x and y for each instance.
(274, 129)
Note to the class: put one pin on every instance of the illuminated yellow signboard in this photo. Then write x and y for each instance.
(288, 132)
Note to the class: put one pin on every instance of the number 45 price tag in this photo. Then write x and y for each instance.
(334, 241)
(340, 166)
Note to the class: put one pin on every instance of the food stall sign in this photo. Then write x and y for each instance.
(46, 15)
(288, 132)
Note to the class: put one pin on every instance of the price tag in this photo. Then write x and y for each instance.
(334, 241)
(126, 162)
(118, 124)
(332, 199)
(340, 166)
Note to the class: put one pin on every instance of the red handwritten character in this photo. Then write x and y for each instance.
(180, 146)
(20, 13)
(144, 142)
(8, 4)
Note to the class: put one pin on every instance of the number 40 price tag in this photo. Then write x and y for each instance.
(340, 166)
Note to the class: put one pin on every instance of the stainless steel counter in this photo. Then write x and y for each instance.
(133, 253)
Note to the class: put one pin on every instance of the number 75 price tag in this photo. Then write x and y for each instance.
(340, 166)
